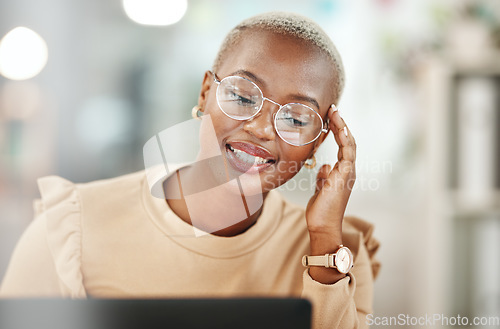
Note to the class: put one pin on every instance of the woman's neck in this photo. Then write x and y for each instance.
(219, 210)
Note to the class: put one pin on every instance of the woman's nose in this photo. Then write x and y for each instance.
(261, 125)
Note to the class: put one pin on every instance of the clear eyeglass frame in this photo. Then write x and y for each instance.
(324, 124)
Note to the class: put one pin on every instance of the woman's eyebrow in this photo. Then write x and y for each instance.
(249, 75)
(306, 99)
(259, 82)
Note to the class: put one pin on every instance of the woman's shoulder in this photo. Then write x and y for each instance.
(59, 218)
(54, 185)
(47, 260)
(56, 190)
(68, 206)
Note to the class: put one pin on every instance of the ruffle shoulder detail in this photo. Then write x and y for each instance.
(356, 232)
(60, 204)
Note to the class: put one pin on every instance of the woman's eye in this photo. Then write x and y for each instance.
(242, 100)
(294, 122)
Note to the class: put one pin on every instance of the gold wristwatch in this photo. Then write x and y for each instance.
(342, 260)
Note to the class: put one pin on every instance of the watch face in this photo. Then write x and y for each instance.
(343, 260)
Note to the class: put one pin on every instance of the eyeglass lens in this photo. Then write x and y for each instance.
(241, 99)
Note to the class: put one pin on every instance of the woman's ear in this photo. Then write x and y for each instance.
(205, 89)
(323, 136)
(318, 143)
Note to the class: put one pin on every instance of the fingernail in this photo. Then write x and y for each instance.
(334, 108)
(345, 131)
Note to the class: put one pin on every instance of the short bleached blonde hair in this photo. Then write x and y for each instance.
(288, 24)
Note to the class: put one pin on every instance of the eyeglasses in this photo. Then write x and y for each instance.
(241, 99)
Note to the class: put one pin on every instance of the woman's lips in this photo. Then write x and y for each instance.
(248, 158)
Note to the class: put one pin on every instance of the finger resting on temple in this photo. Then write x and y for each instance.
(336, 121)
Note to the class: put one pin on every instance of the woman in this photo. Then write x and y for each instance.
(266, 106)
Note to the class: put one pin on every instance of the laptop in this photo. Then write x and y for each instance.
(219, 313)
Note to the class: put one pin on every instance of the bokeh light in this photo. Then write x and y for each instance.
(155, 12)
(23, 54)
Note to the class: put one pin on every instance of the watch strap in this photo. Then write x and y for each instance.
(326, 260)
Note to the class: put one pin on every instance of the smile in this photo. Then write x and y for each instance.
(246, 157)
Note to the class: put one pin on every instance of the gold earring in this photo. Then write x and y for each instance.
(311, 164)
(196, 112)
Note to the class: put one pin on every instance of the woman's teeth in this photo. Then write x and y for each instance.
(247, 157)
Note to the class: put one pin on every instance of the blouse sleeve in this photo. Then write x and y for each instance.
(346, 303)
(47, 259)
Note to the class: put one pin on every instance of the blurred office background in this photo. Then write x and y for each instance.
(90, 86)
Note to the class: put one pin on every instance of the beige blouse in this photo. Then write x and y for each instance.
(112, 238)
